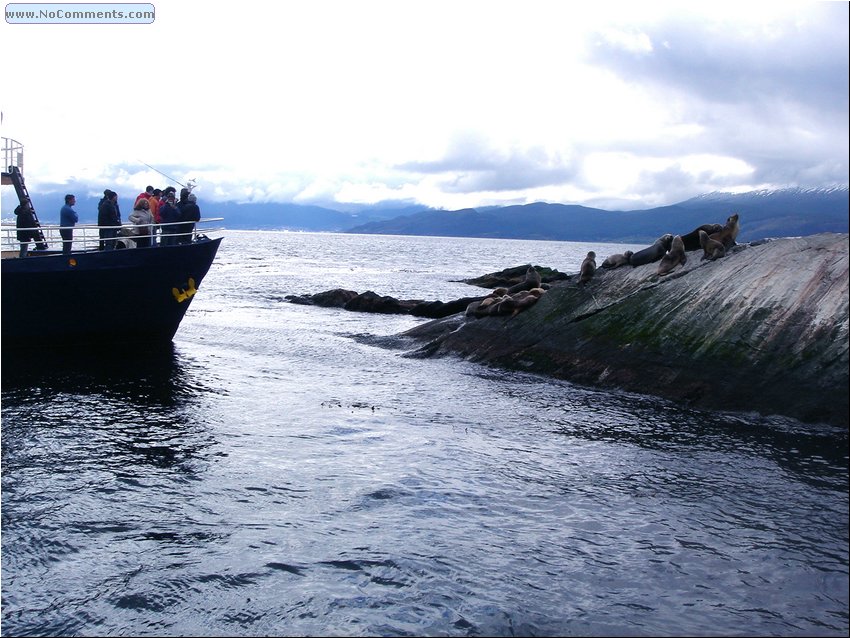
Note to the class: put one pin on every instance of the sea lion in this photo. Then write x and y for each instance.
(673, 258)
(503, 306)
(729, 233)
(488, 306)
(588, 268)
(526, 299)
(476, 309)
(617, 260)
(472, 309)
(652, 253)
(691, 239)
(488, 303)
(481, 307)
(711, 248)
(532, 280)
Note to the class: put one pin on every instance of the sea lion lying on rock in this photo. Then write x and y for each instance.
(652, 253)
(673, 258)
(526, 299)
(504, 304)
(617, 260)
(712, 249)
(691, 239)
(483, 307)
(588, 268)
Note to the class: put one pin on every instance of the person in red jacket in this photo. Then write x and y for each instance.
(143, 195)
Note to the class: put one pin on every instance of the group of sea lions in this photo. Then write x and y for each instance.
(510, 301)
(499, 302)
(671, 250)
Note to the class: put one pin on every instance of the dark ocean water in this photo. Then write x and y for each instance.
(274, 473)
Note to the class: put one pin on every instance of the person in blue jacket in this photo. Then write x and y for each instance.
(68, 218)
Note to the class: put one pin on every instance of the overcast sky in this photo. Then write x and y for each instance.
(445, 103)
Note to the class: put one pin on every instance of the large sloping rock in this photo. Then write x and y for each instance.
(763, 329)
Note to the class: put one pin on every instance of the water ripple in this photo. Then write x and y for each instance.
(270, 474)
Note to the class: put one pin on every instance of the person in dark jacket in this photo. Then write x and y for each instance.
(27, 228)
(184, 197)
(168, 214)
(108, 215)
(190, 213)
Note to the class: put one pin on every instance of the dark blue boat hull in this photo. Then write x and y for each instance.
(129, 297)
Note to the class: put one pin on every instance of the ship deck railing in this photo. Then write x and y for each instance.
(13, 155)
(86, 237)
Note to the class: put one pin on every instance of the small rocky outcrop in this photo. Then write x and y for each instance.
(764, 328)
(336, 298)
(373, 302)
(510, 277)
(383, 304)
(436, 309)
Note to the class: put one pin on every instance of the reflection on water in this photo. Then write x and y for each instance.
(124, 409)
(152, 374)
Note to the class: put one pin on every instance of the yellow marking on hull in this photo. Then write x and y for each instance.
(183, 294)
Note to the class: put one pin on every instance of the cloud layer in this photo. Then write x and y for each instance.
(442, 103)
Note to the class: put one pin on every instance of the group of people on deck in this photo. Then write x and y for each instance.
(153, 208)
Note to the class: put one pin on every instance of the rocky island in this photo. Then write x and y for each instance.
(762, 329)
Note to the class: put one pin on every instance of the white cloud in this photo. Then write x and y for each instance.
(634, 42)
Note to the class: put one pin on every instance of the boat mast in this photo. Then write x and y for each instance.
(189, 185)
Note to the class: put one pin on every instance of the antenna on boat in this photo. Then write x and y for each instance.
(189, 185)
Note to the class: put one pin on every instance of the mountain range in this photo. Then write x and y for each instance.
(766, 213)
(780, 213)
